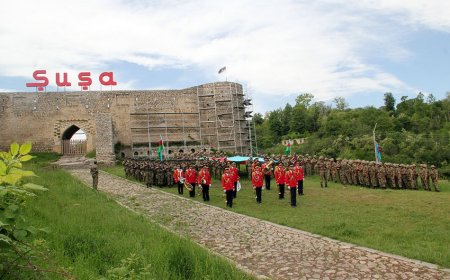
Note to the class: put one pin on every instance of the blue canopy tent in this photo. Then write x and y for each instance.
(239, 159)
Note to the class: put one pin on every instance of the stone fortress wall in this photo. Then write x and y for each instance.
(205, 116)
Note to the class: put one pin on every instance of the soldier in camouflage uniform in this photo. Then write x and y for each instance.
(365, 174)
(412, 173)
(373, 175)
(423, 174)
(381, 175)
(359, 173)
(405, 176)
(314, 168)
(308, 165)
(169, 175)
(321, 166)
(343, 171)
(159, 176)
(334, 170)
(434, 176)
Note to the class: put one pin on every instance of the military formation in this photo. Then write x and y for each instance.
(371, 174)
(154, 172)
(362, 173)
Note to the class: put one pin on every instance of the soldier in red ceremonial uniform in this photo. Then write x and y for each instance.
(235, 177)
(279, 178)
(178, 177)
(257, 182)
(298, 171)
(291, 181)
(191, 176)
(228, 186)
(266, 173)
(204, 178)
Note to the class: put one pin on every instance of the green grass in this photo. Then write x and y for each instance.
(415, 224)
(91, 233)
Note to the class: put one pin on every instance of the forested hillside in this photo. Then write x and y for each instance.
(411, 131)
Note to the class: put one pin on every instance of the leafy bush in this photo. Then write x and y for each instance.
(16, 254)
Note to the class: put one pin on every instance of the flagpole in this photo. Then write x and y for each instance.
(290, 147)
(375, 143)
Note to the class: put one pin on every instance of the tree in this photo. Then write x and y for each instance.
(258, 118)
(286, 119)
(389, 102)
(431, 98)
(304, 99)
(340, 102)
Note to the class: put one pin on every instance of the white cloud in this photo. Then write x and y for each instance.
(279, 47)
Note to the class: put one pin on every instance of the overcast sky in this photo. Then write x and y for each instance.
(356, 49)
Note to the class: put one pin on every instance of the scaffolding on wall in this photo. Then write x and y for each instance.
(250, 124)
(218, 122)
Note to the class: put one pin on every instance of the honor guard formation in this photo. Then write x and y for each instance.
(191, 171)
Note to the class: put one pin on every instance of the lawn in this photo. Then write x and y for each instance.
(414, 224)
(90, 234)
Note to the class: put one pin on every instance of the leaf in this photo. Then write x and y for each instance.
(5, 239)
(2, 223)
(26, 158)
(20, 234)
(31, 229)
(2, 168)
(45, 230)
(34, 187)
(17, 164)
(24, 173)
(25, 148)
(10, 178)
(14, 149)
(12, 208)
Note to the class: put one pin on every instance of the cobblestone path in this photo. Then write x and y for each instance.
(262, 248)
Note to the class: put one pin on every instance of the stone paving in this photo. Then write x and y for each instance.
(261, 248)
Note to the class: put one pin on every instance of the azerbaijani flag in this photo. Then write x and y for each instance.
(161, 148)
(378, 151)
(288, 148)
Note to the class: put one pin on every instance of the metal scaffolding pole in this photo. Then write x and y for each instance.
(239, 117)
(250, 134)
(217, 117)
(256, 141)
(199, 121)
(167, 139)
(233, 120)
(184, 134)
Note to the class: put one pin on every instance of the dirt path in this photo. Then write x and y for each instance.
(262, 248)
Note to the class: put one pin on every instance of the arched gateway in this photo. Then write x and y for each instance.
(71, 144)
(206, 116)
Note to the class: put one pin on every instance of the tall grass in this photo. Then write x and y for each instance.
(414, 224)
(91, 234)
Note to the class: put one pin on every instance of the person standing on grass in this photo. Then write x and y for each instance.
(204, 178)
(279, 178)
(257, 182)
(234, 172)
(178, 177)
(434, 178)
(266, 171)
(191, 176)
(94, 173)
(298, 171)
(291, 181)
(228, 186)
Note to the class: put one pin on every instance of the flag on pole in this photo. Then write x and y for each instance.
(223, 69)
(161, 148)
(378, 151)
(288, 148)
